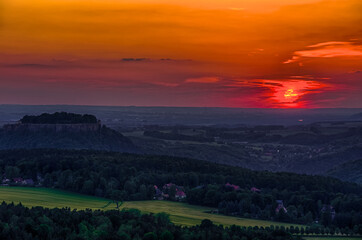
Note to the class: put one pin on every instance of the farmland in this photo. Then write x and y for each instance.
(180, 213)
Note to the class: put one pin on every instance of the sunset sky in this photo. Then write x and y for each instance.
(214, 53)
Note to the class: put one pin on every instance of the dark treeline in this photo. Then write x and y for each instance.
(105, 139)
(174, 135)
(18, 222)
(59, 118)
(307, 199)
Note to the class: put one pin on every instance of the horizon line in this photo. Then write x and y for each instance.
(160, 106)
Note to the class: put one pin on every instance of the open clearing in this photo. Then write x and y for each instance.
(180, 213)
(50, 198)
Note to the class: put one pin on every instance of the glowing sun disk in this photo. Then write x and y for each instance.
(289, 93)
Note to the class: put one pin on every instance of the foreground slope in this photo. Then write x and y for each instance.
(180, 213)
(287, 197)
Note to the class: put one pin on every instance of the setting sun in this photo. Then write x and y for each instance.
(289, 94)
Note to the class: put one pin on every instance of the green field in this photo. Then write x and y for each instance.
(50, 198)
(185, 214)
(180, 213)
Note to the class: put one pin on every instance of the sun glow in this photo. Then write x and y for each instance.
(289, 94)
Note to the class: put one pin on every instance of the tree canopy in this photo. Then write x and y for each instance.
(59, 118)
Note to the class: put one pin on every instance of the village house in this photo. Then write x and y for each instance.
(18, 180)
(232, 187)
(158, 193)
(164, 194)
(330, 209)
(254, 189)
(280, 206)
(28, 182)
(180, 195)
(5, 182)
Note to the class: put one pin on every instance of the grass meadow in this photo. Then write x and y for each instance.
(180, 213)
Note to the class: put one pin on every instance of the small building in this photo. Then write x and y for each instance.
(280, 207)
(180, 195)
(158, 193)
(330, 209)
(232, 187)
(6, 180)
(28, 182)
(164, 194)
(18, 180)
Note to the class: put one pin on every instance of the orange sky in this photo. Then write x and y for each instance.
(232, 53)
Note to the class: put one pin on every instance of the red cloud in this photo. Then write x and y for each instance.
(328, 50)
(287, 93)
(203, 80)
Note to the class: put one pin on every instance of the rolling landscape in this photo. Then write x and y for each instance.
(180, 213)
(188, 191)
(180, 120)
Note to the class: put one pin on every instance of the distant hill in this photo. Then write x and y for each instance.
(322, 164)
(350, 171)
(357, 116)
(129, 117)
(59, 118)
(63, 131)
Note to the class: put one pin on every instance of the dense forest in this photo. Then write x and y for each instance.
(59, 118)
(311, 135)
(100, 138)
(18, 222)
(234, 191)
(350, 171)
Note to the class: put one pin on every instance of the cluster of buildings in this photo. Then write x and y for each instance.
(18, 181)
(232, 187)
(170, 191)
(280, 204)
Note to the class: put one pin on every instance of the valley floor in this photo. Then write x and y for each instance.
(180, 213)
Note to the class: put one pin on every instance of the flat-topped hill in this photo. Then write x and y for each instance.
(64, 131)
(57, 122)
(60, 118)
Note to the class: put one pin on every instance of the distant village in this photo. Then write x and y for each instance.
(19, 181)
(169, 191)
(174, 192)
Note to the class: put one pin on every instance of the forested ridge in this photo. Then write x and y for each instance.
(103, 139)
(307, 199)
(351, 171)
